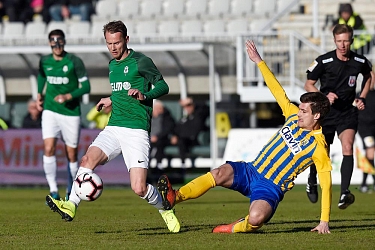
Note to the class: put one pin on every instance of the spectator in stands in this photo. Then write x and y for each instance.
(189, 126)
(366, 129)
(99, 119)
(65, 78)
(10, 9)
(162, 126)
(64, 9)
(361, 43)
(33, 118)
(31, 9)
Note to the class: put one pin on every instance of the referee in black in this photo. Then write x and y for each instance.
(338, 71)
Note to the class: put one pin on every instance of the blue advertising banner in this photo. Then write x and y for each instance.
(21, 159)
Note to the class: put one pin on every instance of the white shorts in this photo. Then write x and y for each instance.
(66, 127)
(134, 144)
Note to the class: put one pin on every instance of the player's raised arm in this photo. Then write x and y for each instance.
(272, 83)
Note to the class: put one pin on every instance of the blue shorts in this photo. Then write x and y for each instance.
(251, 184)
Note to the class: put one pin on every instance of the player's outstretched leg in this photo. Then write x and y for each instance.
(167, 193)
(171, 220)
(66, 209)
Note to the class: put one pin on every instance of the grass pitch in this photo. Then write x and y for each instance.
(120, 220)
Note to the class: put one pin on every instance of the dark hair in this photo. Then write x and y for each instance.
(56, 33)
(345, 7)
(319, 103)
(114, 27)
(341, 29)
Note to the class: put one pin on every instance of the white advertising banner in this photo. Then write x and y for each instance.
(245, 144)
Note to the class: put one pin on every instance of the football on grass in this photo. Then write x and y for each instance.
(88, 186)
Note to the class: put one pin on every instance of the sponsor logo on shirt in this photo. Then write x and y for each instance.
(359, 59)
(327, 60)
(118, 86)
(293, 144)
(57, 80)
(352, 81)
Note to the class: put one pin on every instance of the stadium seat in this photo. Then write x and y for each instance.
(237, 26)
(35, 29)
(97, 29)
(127, 9)
(173, 8)
(191, 27)
(151, 9)
(13, 29)
(146, 28)
(196, 8)
(282, 4)
(80, 29)
(57, 25)
(169, 28)
(218, 8)
(104, 10)
(262, 9)
(241, 7)
(258, 24)
(214, 27)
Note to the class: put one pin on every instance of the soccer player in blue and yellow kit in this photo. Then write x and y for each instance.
(296, 146)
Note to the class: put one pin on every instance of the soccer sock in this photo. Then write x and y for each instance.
(312, 175)
(153, 197)
(245, 227)
(73, 197)
(346, 172)
(73, 168)
(195, 188)
(50, 168)
(364, 179)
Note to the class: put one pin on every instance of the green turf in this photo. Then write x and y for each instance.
(120, 220)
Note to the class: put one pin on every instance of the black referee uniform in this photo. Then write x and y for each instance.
(339, 77)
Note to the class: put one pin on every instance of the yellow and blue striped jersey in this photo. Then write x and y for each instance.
(292, 149)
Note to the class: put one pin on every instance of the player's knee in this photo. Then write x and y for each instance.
(256, 218)
(223, 175)
(49, 150)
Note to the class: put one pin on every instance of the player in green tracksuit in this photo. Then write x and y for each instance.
(131, 75)
(64, 79)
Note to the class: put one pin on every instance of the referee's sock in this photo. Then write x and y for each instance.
(346, 172)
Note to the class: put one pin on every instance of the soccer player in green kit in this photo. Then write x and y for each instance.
(131, 75)
(63, 73)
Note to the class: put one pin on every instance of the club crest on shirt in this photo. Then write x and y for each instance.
(65, 68)
(304, 142)
(352, 81)
(126, 70)
(293, 144)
